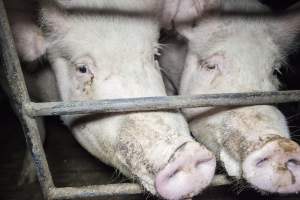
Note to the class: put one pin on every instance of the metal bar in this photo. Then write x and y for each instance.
(95, 191)
(13, 81)
(111, 189)
(160, 103)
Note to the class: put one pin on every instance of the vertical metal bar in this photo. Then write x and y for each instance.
(13, 82)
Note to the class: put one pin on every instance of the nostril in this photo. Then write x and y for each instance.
(174, 173)
(180, 178)
(261, 162)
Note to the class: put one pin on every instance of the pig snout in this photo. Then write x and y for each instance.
(275, 167)
(188, 172)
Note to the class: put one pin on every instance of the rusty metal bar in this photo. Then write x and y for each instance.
(12, 78)
(160, 103)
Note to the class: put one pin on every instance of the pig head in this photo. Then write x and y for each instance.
(102, 52)
(237, 46)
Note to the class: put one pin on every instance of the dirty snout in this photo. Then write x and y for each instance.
(188, 172)
(275, 167)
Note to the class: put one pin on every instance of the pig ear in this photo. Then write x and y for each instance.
(285, 28)
(185, 12)
(28, 37)
(53, 18)
(29, 42)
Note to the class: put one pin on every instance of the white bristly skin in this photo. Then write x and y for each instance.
(105, 50)
(228, 52)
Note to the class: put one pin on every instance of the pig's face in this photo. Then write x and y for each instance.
(106, 57)
(231, 61)
(228, 56)
(81, 58)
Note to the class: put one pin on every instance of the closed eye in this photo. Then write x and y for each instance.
(208, 66)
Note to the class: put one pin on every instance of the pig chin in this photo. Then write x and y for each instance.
(153, 148)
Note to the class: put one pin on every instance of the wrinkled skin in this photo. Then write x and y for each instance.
(234, 53)
(111, 55)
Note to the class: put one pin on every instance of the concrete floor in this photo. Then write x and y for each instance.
(71, 165)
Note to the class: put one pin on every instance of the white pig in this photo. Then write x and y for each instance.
(235, 46)
(108, 53)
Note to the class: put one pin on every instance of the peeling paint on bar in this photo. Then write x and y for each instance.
(160, 103)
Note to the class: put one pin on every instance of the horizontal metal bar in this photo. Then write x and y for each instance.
(95, 191)
(111, 189)
(160, 103)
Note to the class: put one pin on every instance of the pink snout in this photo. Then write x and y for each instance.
(190, 170)
(275, 167)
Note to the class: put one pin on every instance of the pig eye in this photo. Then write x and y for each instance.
(208, 66)
(211, 67)
(82, 68)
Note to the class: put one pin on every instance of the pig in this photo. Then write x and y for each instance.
(108, 53)
(236, 46)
